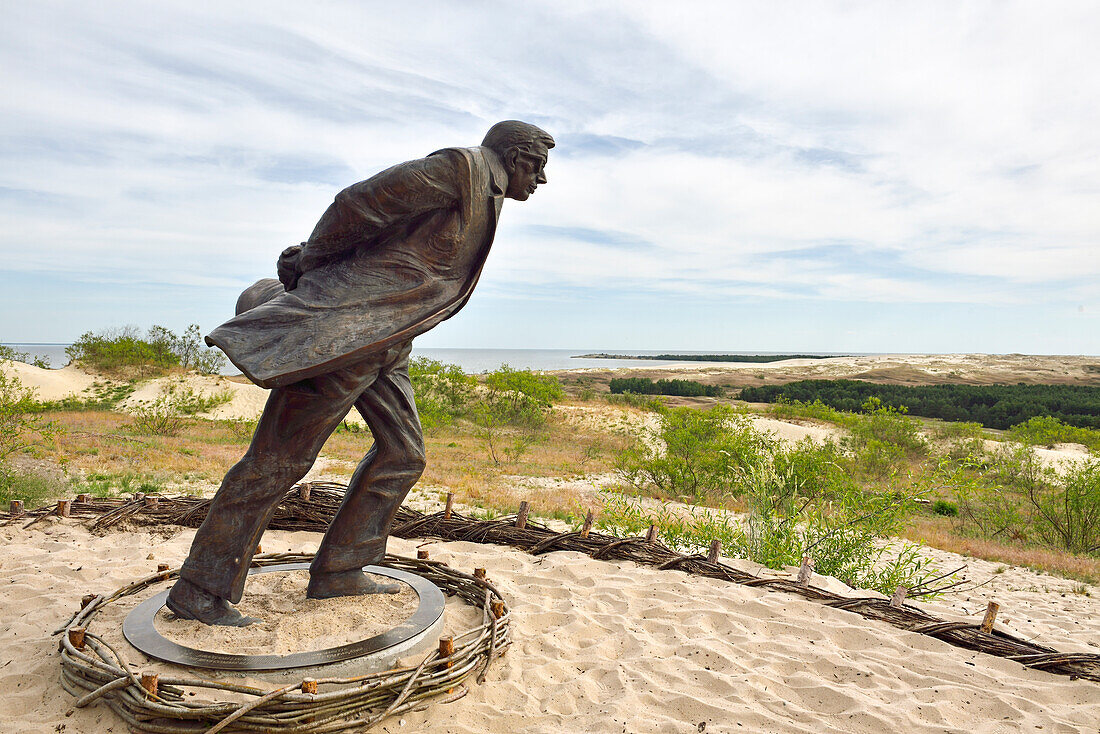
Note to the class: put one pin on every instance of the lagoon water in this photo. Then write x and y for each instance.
(472, 361)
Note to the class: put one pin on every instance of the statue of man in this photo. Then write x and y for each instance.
(392, 257)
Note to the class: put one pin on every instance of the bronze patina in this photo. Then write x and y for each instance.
(392, 257)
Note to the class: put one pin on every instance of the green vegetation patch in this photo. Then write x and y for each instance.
(127, 351)
(710, 357)
(646, 386)
(802, 499)
(995, 406)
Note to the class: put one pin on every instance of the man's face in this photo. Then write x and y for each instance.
(527, 172)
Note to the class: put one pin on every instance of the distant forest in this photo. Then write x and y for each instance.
(645, 386)
(995, 406)
(709, 357)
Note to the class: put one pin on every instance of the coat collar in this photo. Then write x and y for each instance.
(498, 179)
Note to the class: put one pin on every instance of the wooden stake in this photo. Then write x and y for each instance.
(303, 492)
(84, 497)
(990, 617)
(712, 555)
(139, 496)
(521, 516)
(479, 573)
(446, 650)
(76, 637)
(651, 535)
(587, 528)
(806, 571)
(162, 569)
(309, 685)
(64, 507)
(16, 508)
(151, 502)
(497, 608)
(149, 682)
(449, 507)
(899, 597)
(422, 555)
(86, 600)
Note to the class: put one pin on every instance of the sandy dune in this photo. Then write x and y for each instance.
(614, 647)
(50, 384)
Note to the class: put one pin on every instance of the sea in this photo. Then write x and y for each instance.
(472, 361)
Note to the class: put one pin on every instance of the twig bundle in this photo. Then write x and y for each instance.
(91, 669)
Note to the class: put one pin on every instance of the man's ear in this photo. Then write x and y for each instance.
(510, 159)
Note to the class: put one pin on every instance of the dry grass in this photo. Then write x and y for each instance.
(578, 440)
(581, 439)
(104, 443)
(938, 532)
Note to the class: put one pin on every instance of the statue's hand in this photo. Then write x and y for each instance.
(287, 267)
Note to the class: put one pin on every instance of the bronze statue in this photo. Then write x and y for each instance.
(392, 257)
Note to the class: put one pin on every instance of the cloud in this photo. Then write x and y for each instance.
(930, 154)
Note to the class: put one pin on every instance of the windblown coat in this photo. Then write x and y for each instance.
(391, 258)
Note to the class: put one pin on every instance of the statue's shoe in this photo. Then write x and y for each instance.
(346, 583)
(192, 602)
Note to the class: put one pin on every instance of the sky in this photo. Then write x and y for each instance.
(729, 176)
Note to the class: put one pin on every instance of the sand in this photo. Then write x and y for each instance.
(289, 622)
(51, 384)
(615, 647)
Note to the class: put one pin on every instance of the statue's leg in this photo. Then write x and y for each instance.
(357, 535)
(294, 426)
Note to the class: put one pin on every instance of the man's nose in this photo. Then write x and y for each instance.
(542, 177)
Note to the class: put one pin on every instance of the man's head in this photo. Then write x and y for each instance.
(523, 148)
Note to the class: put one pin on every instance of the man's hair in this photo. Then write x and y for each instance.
(509, 134)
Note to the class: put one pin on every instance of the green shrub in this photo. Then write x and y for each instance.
(443, 392)
(240, 428)
(158, 417)
(511, 410)
(985, 507)
(105, 484)
(945, 508)
(883, 438)
(186, 401)
(103, 397)
(1047, 430)
(35, 490)
(643, 402)
(1067, 508)
(125, 350)
(843, 532)
(524, 389)
(21, 422)
(843, 535)
(787, 408)
(700, 454)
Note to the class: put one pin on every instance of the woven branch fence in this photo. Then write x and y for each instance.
(91, 670)
(312, 506)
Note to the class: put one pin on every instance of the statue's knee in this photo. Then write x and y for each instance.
(406, 465)
(261, 468)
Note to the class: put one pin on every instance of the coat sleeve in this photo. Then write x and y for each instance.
(365, 212)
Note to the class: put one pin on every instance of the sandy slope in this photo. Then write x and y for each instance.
(49, 384)
(613, 647)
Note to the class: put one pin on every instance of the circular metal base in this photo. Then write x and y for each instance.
(140, 631)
